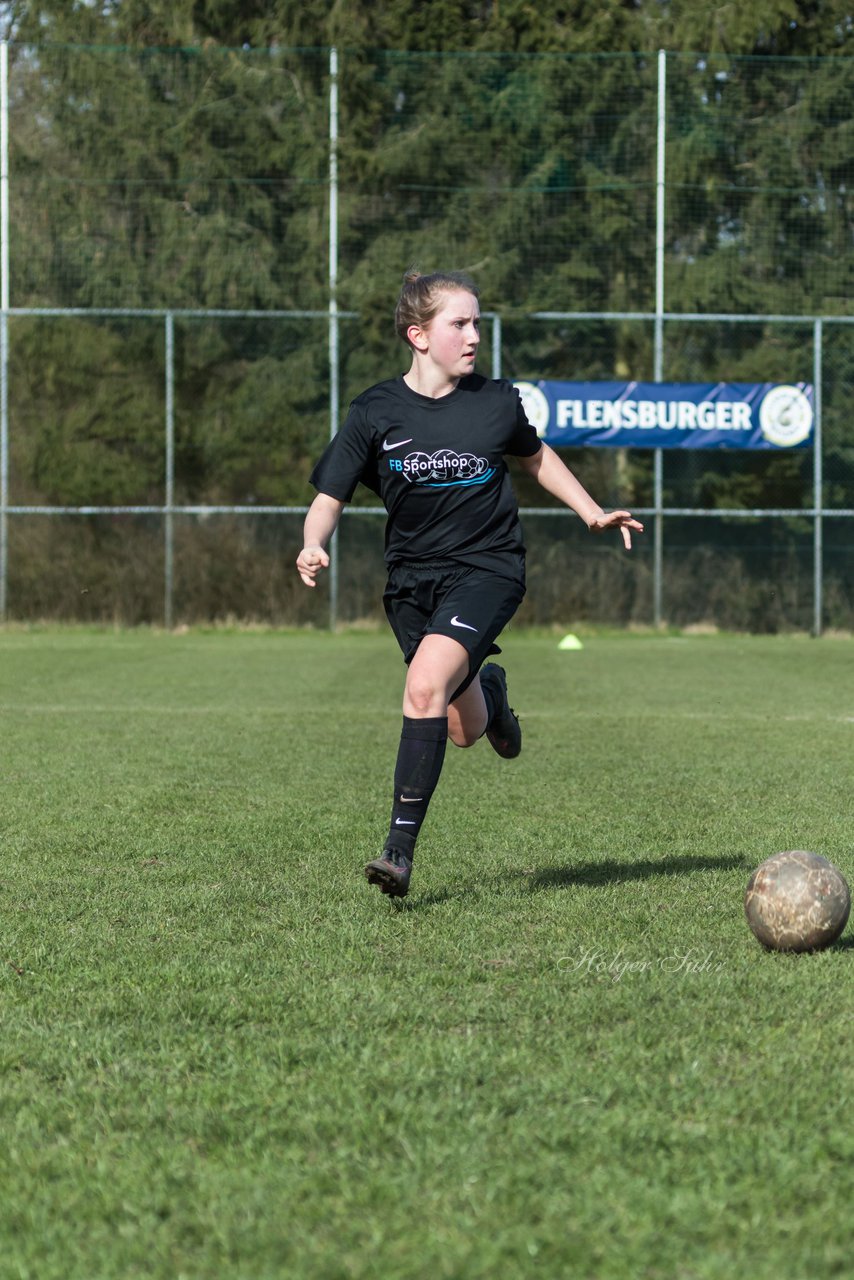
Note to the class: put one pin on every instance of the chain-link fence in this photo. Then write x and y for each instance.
(200, 255)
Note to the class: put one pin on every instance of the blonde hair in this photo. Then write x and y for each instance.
(421, 296)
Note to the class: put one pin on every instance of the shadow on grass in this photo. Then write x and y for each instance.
(422, 901)
(602, 873)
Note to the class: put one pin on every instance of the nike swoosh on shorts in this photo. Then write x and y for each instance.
(455, 622)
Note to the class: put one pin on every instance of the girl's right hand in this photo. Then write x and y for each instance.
(309, 563)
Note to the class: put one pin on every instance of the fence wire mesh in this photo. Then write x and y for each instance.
(176, 181)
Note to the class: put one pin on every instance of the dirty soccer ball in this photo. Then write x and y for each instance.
(797, 901)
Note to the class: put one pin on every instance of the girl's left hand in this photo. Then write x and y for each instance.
(622, 520)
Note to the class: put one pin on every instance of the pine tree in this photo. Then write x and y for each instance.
(176, 156)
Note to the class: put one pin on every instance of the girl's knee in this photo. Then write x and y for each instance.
(421, 698)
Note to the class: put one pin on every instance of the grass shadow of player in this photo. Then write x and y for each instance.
(599, 874)
(424, 901)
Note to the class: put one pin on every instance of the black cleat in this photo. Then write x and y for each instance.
(391, 871)
(503, 731)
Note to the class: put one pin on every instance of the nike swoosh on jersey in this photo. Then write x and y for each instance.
(455, 622)
(395, 445)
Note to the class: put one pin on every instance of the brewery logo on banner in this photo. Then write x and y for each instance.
(728, 415)
(785, 416)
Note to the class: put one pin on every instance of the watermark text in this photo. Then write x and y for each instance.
(617, 965)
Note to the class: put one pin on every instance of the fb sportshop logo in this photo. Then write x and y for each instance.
(443, 468)
(785, 414)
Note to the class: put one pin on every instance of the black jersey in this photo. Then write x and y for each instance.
(438, 467)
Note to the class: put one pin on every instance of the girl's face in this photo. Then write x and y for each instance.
(452, 336)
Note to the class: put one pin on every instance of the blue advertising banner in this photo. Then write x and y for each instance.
(671, 415)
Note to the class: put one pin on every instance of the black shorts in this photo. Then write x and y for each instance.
(471, 606)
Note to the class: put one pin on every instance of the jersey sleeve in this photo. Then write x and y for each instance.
(348, 459)
(524, 442)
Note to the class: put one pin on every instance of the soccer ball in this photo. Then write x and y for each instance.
(797, 901)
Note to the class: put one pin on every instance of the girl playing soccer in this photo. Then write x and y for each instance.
(431, 444)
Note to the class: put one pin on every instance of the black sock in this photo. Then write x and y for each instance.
(419, 763)
(493, 699)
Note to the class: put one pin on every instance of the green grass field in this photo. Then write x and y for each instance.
(564, 1055)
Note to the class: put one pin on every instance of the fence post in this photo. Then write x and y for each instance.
(658, 353)
(334, 343)
(169, 508)
(818, 482)
(4, 325)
